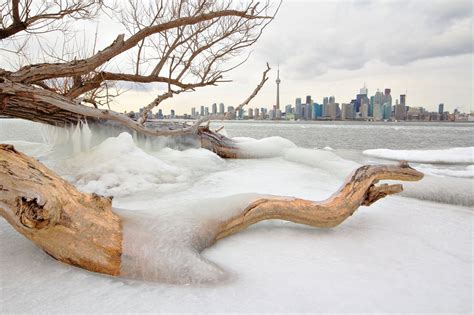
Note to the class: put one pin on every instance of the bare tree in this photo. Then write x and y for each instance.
(182, 45)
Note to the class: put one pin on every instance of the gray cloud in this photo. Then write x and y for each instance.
(316, 36)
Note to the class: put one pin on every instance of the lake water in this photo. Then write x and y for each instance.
(359, 135)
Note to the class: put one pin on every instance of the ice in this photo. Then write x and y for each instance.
(264, 148)
(449, 156)
(34, 149)
(386, 258)
(448, 190)
(399, 255)
(464, 172)
(117, 167)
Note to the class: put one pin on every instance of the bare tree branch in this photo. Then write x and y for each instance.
(257, 89)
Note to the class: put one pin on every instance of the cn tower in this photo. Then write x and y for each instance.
(278, 88)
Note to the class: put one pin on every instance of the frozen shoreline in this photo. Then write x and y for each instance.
(387, 258)
(398, 255)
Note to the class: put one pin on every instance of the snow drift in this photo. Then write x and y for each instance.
(446, 156)
(399, 255)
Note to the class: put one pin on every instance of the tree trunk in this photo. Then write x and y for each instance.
(82, 230)
(43, 106)
(73, 227)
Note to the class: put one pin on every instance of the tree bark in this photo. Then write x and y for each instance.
(82, 230)
(39, 105)
(76, 228)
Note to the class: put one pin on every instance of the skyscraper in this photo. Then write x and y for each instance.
(364, 90)
(214, 108)
(308, 100)
(400, 112)
(221, 108)
(400, 109)
(250, 115)
(347, 111)
(403, 99)
(378, 111)
(278, 88)
(441, 108)
(298, 108)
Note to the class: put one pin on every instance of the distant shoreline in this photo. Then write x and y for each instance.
(305, 121)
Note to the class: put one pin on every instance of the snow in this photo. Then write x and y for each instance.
(452, 155)
(386, 258)
(464, 172)
(262, 148)
(399, 255)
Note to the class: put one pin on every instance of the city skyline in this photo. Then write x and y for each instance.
(425, 53)
(381, 106)
(419, 48)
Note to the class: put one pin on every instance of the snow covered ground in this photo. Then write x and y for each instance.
(399, 255)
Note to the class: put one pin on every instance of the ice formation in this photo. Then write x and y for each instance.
(448, 156)
(399, 255)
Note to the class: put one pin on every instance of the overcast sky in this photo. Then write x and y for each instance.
(422, 48)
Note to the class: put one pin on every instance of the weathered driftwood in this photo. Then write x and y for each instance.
(43, 106)
(73, 227)
(81, 229)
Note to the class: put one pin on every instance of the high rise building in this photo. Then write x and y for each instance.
(314, 111)
(308, 100)
(298, 108)
(332, 110)
(172, 113)
(325, 100)
(403, 99)
(241, 113)
(202, 111)
(347, 111)
(278, 81)
(221, 108)
(387, 111)
(400, 112)
(332, 99)
(364, 110)
(364, 90)
(214, 108)
(441, 108)
(193, 112)
(257, 113)
(303, 111)
(378, 112)
(250, 115)
(361, 99)
(319, 110)
(400, 109)
(206, 111)
(379, 97)
(309, 111)
(387, 98)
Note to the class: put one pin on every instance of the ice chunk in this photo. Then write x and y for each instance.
(460, 155)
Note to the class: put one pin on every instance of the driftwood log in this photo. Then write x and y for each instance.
(82, 229)
(39, 105)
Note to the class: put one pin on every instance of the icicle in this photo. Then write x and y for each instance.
(76, 139)
(86, 134)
